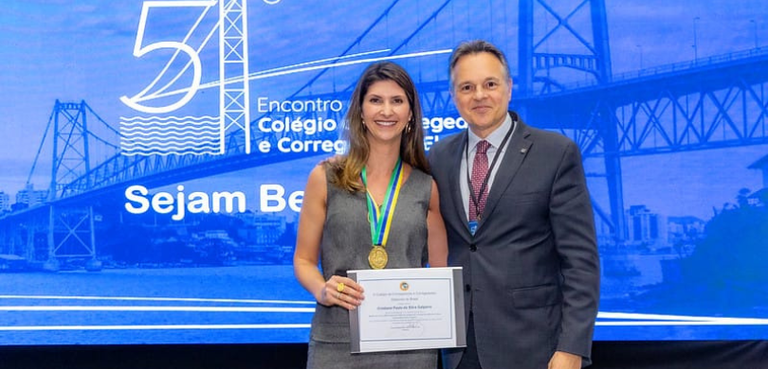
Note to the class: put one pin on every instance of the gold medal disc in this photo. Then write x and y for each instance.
(378, 258)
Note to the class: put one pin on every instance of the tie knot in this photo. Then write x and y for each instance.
(482, 147)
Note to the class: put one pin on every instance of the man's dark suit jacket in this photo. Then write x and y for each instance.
(531, 272)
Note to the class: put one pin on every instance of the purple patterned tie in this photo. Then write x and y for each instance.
(479, 171)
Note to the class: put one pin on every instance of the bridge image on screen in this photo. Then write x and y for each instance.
(153, 196)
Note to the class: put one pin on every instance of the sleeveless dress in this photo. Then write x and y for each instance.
(345, 244)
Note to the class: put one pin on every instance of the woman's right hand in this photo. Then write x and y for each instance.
(341, 291)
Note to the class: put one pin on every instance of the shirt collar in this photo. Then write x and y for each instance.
(495, 138)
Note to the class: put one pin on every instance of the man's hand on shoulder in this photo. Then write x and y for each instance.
(564, 360)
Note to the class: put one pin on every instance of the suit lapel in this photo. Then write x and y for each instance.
(455, 175)
(517, 149)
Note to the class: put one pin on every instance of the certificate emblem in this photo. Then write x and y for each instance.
(378, 258)
(404, 286)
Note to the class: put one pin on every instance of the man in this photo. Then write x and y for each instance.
(520, 222)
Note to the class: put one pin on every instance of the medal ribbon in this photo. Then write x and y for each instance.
(381, 219)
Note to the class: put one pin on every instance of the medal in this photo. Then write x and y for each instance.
(378, 258)
(381, 219)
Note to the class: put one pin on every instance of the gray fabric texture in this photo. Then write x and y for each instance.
(345, 245)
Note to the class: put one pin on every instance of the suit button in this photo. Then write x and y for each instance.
(473, 247)
(467, 288)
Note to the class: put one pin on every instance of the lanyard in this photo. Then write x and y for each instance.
(381, 220)
(476, 201)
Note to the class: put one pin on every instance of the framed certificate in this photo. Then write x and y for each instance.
(408, 309)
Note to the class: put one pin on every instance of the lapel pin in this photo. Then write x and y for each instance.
(523, 150)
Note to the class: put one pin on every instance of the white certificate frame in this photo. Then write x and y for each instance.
(408, 309)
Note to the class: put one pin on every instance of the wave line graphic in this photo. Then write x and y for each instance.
(178, 153)
(170, 123)
(170, 128)
(184, 141)
(157, 124)
(142, 147)
(128, 131)
(143, 136)
(166, 147)
(179, 135)
(171, 117)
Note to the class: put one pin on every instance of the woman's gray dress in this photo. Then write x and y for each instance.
(345, 245)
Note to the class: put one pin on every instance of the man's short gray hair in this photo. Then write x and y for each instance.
(476, 47)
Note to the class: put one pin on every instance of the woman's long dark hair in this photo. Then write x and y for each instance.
(345, 173)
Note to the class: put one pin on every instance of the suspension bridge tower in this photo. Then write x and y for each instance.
(233, 73)
(70, 226)
(541, 54)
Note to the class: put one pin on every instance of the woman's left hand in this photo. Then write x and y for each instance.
(341, 291)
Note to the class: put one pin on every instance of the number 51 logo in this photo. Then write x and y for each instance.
(155, 130)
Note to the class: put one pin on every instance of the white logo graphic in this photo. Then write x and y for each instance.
(161, 127)
(162, 133)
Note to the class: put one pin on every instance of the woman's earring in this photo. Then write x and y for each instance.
(408, 128)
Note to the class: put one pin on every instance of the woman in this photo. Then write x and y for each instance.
(344, 216)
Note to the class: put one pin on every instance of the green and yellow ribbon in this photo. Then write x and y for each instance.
(381, 219)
